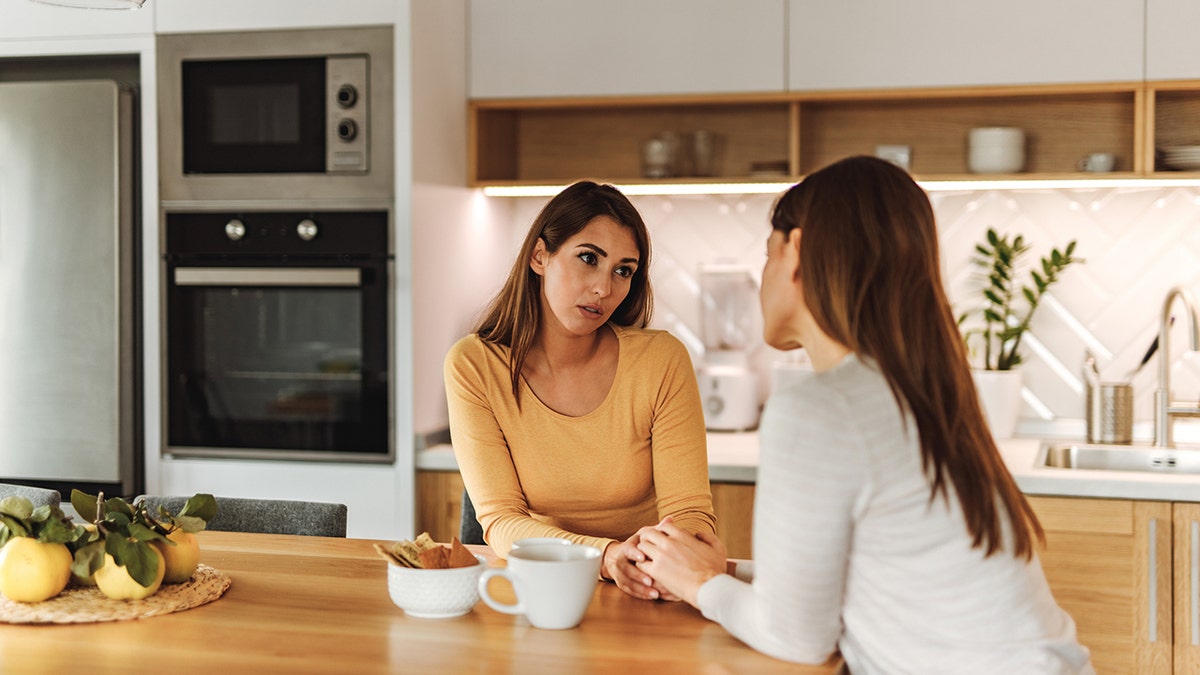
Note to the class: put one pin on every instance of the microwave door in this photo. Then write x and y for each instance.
(254, 116)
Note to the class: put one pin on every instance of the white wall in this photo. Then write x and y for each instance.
(459, 238)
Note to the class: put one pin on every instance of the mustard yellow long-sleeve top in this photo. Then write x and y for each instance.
(533, 472)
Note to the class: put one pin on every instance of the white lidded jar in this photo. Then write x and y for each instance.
(996, 150)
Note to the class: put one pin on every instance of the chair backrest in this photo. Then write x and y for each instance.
(469, 529)
(267, 516)
(39, 496)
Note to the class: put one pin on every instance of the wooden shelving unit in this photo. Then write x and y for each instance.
(540, 141)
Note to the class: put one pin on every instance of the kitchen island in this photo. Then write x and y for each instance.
(321, 605)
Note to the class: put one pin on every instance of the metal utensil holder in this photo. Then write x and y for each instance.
(1110, 413)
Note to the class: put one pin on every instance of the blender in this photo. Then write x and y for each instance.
(730, 326)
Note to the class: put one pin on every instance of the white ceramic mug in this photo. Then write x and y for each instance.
(554, 583)
(534, 541)
(1097, 162)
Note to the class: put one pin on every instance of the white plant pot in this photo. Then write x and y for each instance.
(1000, 397)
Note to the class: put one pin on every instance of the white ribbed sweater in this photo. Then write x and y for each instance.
(850, 554)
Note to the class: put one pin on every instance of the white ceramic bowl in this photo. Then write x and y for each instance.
(435, 594)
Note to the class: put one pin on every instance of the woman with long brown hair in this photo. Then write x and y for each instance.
(886, 524)
(569, 418)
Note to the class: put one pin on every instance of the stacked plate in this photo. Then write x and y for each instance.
(1183, 157)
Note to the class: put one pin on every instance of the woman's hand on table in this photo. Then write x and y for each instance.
(680, 562)
(620, 565)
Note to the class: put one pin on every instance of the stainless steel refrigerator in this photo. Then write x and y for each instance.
(68, 319)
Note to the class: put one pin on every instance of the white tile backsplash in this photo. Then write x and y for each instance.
(1137, 242)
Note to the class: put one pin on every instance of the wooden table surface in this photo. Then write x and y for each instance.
(320, 605)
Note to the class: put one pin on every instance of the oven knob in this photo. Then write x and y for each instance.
(347, 130)
(235, 229)
(306, 230)
(347, 96)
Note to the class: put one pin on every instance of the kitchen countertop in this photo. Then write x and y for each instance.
(733, 458)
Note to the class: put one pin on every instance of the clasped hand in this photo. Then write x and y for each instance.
(664, 562)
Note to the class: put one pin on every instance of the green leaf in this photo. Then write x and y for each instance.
(991, 315)
(1070, 248)
(191, 523)
(137, 557)
(142, 533)
(88, 559)
(118, 505)
(992, 297)
(84, 505)
(57, 531)
(14, 526)
(202, 506)
(1029, 296)
(992, 238)
(16, 506)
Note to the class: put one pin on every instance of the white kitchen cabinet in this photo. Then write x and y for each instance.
(869, 44)
(23, 20)
(1172, 39)
(188, 16)
(550, 48)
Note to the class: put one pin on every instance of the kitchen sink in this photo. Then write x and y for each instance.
(1120, 458)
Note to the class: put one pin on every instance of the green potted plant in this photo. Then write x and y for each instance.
(994, 339)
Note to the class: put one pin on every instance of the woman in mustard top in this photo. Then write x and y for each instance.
(569, 418)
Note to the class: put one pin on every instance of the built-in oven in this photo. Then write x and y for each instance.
(277, 328)
(293, 114)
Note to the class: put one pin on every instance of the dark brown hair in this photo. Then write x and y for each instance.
(513, 317)
(871, 277)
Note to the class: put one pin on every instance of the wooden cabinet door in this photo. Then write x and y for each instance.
(439, 503)
(733, 504)
(550, 48)
(1187, 588)
(868, 44)
(1108, 563)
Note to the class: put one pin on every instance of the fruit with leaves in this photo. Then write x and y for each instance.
(133, 544)
(35, 563)
(116, 581)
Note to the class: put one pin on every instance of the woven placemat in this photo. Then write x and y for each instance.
(85, 604)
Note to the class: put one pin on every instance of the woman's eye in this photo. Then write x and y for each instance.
(588, 258)
(625, 272)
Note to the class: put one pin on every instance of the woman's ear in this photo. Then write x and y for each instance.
(537, 261)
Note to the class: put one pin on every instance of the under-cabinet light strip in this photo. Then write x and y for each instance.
(931, 186)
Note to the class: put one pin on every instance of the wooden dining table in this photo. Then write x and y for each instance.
(320, 605)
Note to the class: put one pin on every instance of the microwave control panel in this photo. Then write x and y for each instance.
(346, 136)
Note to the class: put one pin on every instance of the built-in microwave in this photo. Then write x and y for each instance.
(300, 114)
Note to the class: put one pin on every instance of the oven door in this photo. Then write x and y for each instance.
(286, 361)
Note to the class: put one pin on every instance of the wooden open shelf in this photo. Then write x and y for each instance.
(539, 141)
(1173, 119)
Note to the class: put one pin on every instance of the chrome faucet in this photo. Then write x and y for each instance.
(1164, 409)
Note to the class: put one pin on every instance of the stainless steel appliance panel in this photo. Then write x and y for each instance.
(66, 325)
(362, 177)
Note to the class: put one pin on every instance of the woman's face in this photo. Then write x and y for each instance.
(585, 281)
(780, 294)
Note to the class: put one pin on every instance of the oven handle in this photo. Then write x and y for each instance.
(268, 276)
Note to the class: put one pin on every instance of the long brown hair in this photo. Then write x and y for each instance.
(513, 317)
(871, 276)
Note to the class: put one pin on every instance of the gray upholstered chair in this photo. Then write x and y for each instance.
(469, 529)
(267, 516)
(39, 496)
